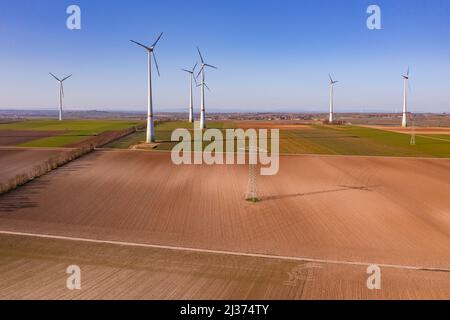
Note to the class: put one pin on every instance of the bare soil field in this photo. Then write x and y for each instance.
(33, 268)
(15, 137)
(17, 162)
(361, 209)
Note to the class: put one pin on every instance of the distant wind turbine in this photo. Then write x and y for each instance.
(405, 109)
(61, 92)
(332, 83)
(150, 116)
(191, 100)
(203, 85)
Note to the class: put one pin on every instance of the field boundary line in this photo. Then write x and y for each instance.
(224, 252)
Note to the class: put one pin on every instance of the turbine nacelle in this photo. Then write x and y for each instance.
(332, 82)
(58, 79)
(406, 77)
(61, 86)
(191, 72)
(203, 84)
(151, 50)
(203, 65)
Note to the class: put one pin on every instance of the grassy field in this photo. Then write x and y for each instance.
(353, 140)
(73, 131)
(320, 139)
(163, 132)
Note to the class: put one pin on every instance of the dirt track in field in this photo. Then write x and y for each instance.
(33, 268)
(16, 137)
(380, 210)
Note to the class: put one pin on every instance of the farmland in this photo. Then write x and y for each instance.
(53, 133)
(305, 209)
(22, 164)
(163, 131)
(348, 209)
(321, 139)
(137, 223)
(33, 268)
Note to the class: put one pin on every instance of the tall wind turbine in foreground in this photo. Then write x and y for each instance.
(61, 92)
(203, 85)
(150, 118)
(405, 110)
(332, 83)
(191, 100)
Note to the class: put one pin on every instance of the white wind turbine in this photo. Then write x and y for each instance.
(61, 92)
(191, 100)
(332, 83)
(150, 116)
(203, 85)
(405, 109)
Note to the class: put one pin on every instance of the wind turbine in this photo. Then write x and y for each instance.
(150, 117)
(332, 83)
(405, 110)
(191, 100)
(61, 92)
(203, 85)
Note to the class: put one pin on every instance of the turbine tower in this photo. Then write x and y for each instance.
(61, 92)
(150, 117)
(405, 109)
(332, 83)
(203, 85)
(191, 100)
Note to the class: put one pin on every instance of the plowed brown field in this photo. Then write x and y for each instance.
(15, 162)
(380, 210)
(33, 268)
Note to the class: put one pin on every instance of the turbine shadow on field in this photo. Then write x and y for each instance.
(312, 193)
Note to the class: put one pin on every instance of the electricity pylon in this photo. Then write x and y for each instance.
(413, 132)
(252, 192)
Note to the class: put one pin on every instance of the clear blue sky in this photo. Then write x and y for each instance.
(272, 55)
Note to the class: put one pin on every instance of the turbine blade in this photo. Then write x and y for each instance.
(200, 71)
(331, 79)
(195, 66)
(140, 44)
(157, 40)
(187, 71)
(54, 76)
(66, 78)
(156, 63)
(200, 54)
(207, 87)
(208, 65)
(195, 79)
(407, 72)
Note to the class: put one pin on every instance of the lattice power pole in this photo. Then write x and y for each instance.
(413, 132)
(252, 192)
